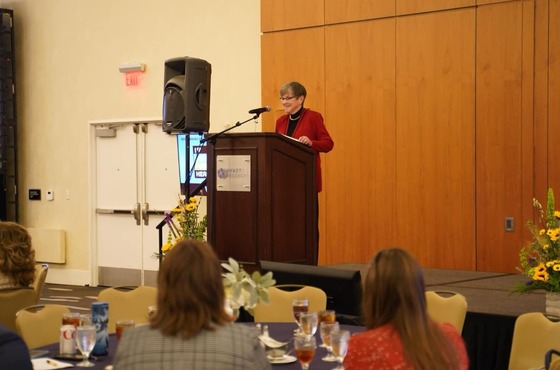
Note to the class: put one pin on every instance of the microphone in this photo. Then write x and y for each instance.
(260, 110)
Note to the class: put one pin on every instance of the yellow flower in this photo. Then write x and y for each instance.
(183, 223)
(556, 267)
(553, 234)
(550, 263)
(557, 214)
(540, 273)
(542, 231)
(166, 247)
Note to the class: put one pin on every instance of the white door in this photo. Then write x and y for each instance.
(137, 181)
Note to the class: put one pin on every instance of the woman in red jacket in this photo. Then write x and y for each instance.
(305, 125)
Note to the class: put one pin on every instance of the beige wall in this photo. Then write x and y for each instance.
(68, 53)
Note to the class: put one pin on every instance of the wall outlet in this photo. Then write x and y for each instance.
(50, 194)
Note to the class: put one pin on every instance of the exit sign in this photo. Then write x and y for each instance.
(132, 78)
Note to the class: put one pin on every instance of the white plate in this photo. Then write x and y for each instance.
(286, 359)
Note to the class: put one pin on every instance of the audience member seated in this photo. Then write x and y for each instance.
(190, 328)
(399, 332)
(17, 257)
(13, 351)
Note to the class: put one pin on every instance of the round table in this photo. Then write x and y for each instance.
(282, 332)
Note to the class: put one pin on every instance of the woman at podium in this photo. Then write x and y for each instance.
(305, 125)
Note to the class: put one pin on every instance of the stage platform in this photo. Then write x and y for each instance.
(486, 292)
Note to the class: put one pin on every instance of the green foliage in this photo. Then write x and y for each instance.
(184, 223)
(540, 259)
(244, 290)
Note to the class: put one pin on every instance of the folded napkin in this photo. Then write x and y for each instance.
(270, 342)
(48, 363)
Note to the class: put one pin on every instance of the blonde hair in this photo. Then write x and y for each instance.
(17, 256)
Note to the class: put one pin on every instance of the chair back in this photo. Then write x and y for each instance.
(533, 335)
(279, 308)
(127, 304)
(551, 363)
(447, 306)
(13, 300)
(40, 278)
(39, 325)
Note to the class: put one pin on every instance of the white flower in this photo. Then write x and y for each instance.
(244, 290)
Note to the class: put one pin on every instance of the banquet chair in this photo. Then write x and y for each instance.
(39, 325)
(533, 335)
(279, 307)
(128, 304)
(551, 363)
(13, 300)
(447, 306)
(41, 271)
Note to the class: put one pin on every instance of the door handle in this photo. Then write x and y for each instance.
(136, 212)
(146, 212)
(145, 215)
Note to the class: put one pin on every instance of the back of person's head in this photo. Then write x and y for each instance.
(394, 289)
(394, 293)
(190, 291)
(295, 88)
(17, 256)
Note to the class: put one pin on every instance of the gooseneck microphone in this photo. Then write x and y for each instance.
(260, 110)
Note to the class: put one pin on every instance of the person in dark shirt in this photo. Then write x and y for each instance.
(13, 351)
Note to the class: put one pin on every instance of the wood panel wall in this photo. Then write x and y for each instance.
(442, 121)
(503, 132)
(435, 137)
(360, 97)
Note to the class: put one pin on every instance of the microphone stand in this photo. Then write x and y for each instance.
(212, 138)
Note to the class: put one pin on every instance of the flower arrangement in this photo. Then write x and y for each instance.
(184, 223)
(540, 260)
(245, 290)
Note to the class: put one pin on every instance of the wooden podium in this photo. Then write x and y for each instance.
(262, 200)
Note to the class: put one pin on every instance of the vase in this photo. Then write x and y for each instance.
(552, 306)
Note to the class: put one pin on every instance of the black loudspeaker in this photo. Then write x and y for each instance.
(186, 99)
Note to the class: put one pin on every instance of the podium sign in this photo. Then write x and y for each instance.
(234, 173)
(262, 200)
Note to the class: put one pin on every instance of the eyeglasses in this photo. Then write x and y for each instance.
(288, 98)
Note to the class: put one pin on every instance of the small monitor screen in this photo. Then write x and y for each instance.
(343, 287)
(197, 161)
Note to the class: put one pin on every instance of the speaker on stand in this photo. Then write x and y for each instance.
(186, 102)
(186, 99)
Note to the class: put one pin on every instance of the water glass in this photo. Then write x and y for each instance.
(85, 339)
(308, 323)
(304, 347)
(299, 306)
(325, 316)
(339, 344)
(326, 329)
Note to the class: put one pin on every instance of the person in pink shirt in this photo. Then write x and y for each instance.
(400, 334)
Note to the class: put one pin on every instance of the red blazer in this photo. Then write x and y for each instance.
(310, 124)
